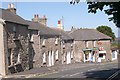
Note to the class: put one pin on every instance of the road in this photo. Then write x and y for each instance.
(93, 70)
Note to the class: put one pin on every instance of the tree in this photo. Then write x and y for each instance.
(107, 31)
(113, 9)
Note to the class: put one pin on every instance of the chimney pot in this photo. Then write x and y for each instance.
(58, 21)
(37, 16)
(9, 6)
(44, 16)
(12, 5)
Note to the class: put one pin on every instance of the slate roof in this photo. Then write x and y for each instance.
(64, 35)
(88, 34)
(44, 30)
(11, 17)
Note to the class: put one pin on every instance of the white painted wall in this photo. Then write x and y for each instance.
(2, 55)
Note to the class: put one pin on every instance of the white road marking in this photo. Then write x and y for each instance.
(74, 74)
(65, 75)
(91, 69)
(81, 72)
(113, 75)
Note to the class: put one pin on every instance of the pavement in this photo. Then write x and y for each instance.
(50, 70)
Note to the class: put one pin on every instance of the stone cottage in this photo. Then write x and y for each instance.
(14, 49)
(66, 45)
(91, 45)
(45, 42)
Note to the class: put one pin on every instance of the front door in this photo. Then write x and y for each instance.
(49, 58)
(68, 58)
(52, 58)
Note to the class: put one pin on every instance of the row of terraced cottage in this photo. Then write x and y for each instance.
(32, 44)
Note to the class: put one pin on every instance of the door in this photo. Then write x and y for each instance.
(52, 58)
(68, 58)
(49, 58)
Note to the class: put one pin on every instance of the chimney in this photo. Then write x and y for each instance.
(11, 8)
(59, 25)
(43, 20)
(73, 28)
(36, 18)
(58, 21)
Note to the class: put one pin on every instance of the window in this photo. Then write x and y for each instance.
(102, 55)
(113, 54)
(71, 45)
(94, 43)
(18, 60)
(63, 46)
(43, 42)
(56, 55)
(38, 33)
(64, 57)
(31, 38)
(72, 54)
(86, 44)
(14, 29)
(9, 56)
(56, 41)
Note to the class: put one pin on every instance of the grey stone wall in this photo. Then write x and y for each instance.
(18, 47)
(80, 45)
(67, 46)
(107, 46)
(39, 49)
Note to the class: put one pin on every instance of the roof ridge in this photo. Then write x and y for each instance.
(102, 33)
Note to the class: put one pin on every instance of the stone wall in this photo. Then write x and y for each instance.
(67, 46)
(80, 45)
(106, 46)
(39, 49)
(18, 47)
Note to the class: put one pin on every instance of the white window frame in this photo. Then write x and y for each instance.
(86, 44)
(72, 54)
(18, 59)
(56, 41)
(31, 39)
(64, 57)
(94, 43)
(43, 42)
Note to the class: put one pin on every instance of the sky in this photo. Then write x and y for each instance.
(73, 15)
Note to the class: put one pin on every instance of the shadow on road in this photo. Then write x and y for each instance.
(102, 74)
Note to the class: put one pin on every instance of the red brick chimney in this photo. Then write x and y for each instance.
(59, 22)
(59, 25)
